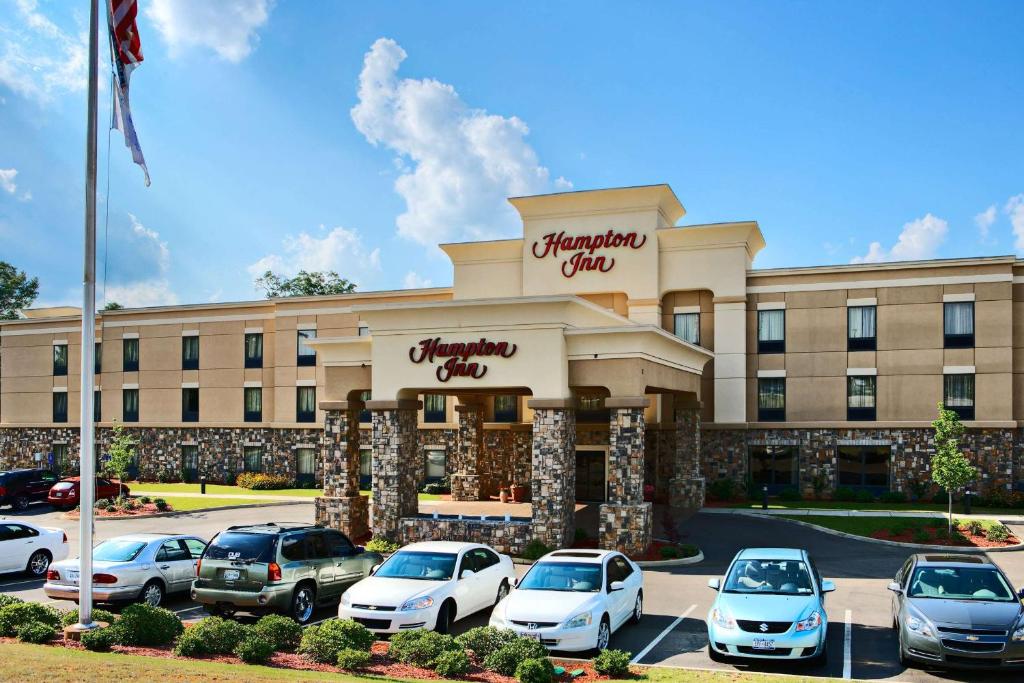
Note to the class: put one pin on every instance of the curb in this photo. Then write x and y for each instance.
(191, 512)
(882, 541)
(678, 562)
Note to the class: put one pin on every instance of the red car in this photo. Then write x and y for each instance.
(66, 493)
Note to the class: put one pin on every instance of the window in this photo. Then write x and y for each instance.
(172, 551)
(98, 360)
(195, 547)
(305, 404)
(772, 466)
(254, 350)
(253, 400)
(189, 463)
(307, 355)
(97, 406)
(364, 330)
(771, 399)
(618, 570)
(338, 544)
(190, 404)
(130, 348)
(365, 467)
(60, 359)
(958, 395)
(60, 406)
(864, 467)
(434, 408)
(958, 324)
(305, 466)
(293, 548)
(130, 405)
(435, 464)
(860, 397)
(190, 353)
(687, 327)
(860, 328)
(253, 458)
(316, 547)
(771, 331)
(60, 458)
(365, 417)
(591, 409)
(506, 408)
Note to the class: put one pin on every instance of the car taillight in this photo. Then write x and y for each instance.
(3, 491)
(104, 578)
(52, 575)
(71, 493)
(274, 571)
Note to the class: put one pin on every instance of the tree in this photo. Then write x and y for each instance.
(113, 306)
(122, 455)
(17, 291)
(950, 467)
(304, 284)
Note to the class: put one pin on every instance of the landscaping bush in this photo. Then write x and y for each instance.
(974, 527)
(255, 649)
(452, 663)
(483, 640)
(922, 536)
(612, 663)
(161, 504)
(844, 494)
(259, 481)
(211, 636)
(864, 496)
(997, 532)
(100, 639)
(535, 550)
(36, 632)
(148, 626)
(353, 660)
(103, 503)
(789, 494)
(918, 489)
(507, 658)
(283, 633)
(382, 546)
(940, 497)
(893, 497)
(669, 552)
(722, 489)
(535, 670)
(688, 550)
(18, 614)
(71, 616)
(111, 508)
(145, 500)
(322, 642)
(8, 599)
(420, 647)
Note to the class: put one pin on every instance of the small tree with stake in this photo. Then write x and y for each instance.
(122, 454)
(950, 467)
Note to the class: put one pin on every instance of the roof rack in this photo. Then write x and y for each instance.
(283, 526)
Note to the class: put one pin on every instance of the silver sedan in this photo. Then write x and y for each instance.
(136, 567)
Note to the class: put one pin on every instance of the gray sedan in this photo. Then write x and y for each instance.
(957, 611)
(137, 567)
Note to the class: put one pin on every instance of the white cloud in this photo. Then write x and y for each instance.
(340, 250)
(1015, 210)
(228, 27)
(919, 239)
(40, 60)
(457, 164)
(7, 176)
(144, 293)
(414, 280)
(984, 221)
(139, 268)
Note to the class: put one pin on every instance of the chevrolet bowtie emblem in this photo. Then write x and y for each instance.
(764, 628)
(972, 638)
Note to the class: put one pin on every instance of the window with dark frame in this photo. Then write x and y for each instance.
(773, 466)
(306, 354)
(130, 360)
(305, 404)
(434, 408)
(861, 328)
(958, 395)
(305, 466)
(98, 359)
(506, 408)
(687, 327)
(771, 331)
(434, 464)
(252, 458)
(864, 467)
(254, 350)
(253, 404)
(771, 399)
(365, 416)
(129, 405)
(190, 352)
(591, 409)
(958, 324)
(97, 406)
(189, 463)
(861, 394)
(60, 406)
(60, 360)
(365, 467)
(190, 404)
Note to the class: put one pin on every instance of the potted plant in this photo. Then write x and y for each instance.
(503, 494)
(517, 493)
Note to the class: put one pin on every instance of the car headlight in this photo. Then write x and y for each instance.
(1019, 633)
(920, 627)
(810, 623)
(417, 603)
(579, 621)
(346, 599)
(722, 620)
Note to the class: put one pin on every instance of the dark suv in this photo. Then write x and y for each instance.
(18, 488)
(287, 568)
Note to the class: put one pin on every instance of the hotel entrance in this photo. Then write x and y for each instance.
(591, 477)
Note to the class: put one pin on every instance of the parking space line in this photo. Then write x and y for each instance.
(668, 629)
(847, 645)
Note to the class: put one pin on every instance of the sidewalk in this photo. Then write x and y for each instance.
(233, 496)
(805, 512)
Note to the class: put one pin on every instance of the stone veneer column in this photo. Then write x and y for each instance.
(625, 519)
(553, 486)
(686, 489)
(342, 507)
(394, 465)
(466, 468)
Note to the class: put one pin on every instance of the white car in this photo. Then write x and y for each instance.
(429, 585)
(574, 600)
(26, 547)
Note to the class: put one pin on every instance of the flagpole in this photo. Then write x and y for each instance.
(87, 459)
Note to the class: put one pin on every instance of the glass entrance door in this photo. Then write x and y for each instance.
(590, 481)
(305, 467)
(189, 464)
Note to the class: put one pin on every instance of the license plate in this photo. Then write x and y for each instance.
(231, 574)
(764, 643)
(530, 634)
(72, 577)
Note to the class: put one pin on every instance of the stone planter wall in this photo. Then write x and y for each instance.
(506, 537)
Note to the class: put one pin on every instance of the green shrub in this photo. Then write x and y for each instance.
(71, 616)
(21, 613)
(8, 599)
(899, 528)
(452, 664)
(36, 632)
(893, 497)
(100, 639)
(612, 663)
(145, 500)
(940, 496)
(382, 546)
(974, 527)
(922, 536)
(259, 481)
(282, 632)
(102, 503)
(865, 496)
(689, 550)
(669, 552)
(148, 626)
(161, 504)
(255, 649)
(722, 489)
(844, 494)
(790, 494)
(353, 660)
(998, 532)
(111, 508)
(322, 642)
(535, 670)
(211, 636)
(483, 640)
(507, 659)
(535, 550)
(420, 647)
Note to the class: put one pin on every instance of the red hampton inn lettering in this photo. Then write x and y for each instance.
(458, 355)
(584, 247)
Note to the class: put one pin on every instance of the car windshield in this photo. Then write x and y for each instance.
(772, 577)
(570, 577)
(241, 547)
(418, 565)
(117, 551)
(960, 583)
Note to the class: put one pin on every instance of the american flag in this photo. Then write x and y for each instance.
(127, 55)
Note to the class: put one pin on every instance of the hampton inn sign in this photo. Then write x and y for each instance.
(458, 355)
(583, 247)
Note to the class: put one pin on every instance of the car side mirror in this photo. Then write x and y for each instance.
(714, 584)
(466, 573)
(1020, 593)
(373, 569)
(515, 583)
(616, 586)
(828, 586)
(895, 587)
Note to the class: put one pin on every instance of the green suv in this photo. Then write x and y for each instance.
(278, 567)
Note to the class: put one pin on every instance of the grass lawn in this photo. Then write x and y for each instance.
(183, 504)
(958, 508)
(221, 489)
(38, 662)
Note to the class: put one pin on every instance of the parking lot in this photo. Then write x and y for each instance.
(672, 633)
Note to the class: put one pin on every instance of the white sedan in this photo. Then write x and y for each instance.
(429, 585)
(28, 548)
(574, 600)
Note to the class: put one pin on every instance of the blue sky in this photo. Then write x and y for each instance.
(355, 136)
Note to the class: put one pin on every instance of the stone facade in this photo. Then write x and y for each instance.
(395, 478)
(625, 520)
(509, 537)
(467, 461)
(554, 475)
(686, 488)
(342, 507)
(508, 459)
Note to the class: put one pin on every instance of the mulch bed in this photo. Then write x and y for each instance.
(937, 536)
(653, 551)
(142, 509)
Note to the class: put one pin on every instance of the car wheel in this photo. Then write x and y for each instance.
(38, 563)
(638, 608)
(714, 655)
(604, 633)
(303, 602)
(445, 618)
(20, 503)
(152, 594)
(502, 592)
(904, 660)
